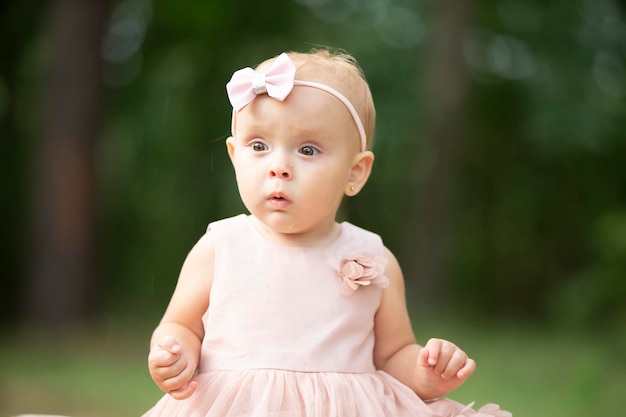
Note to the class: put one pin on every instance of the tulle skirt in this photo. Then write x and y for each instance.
(279, 393)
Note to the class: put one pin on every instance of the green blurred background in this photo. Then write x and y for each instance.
(499, 182)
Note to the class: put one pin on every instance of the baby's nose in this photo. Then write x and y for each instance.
(280, 172)
(280, 165)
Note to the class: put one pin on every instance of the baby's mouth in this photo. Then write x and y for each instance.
(278, 201)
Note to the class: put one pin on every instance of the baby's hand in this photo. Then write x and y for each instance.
(170, 369)
(443, 366)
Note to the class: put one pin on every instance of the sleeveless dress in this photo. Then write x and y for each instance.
(289, 332)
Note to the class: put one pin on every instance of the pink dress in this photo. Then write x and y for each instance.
(287, 335)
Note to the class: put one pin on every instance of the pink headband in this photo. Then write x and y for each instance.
(277, 83)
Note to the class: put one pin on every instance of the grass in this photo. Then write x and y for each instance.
(89, 372)
(535, 371)
(100, 371)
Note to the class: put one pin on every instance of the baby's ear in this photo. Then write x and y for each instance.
(360, 172)
(230, 146)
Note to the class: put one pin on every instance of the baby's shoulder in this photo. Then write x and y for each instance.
(229, 223)
(362, 236)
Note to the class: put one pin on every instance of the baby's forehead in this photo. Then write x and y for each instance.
(341, 73)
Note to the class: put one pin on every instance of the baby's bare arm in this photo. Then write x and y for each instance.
(431, 371)
(176, 342)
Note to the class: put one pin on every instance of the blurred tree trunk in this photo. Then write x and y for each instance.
(62, 274)
(18, 22)
(446, 100)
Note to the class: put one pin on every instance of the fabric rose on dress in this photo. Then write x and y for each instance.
(360, 270)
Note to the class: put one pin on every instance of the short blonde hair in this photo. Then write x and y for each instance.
(340, 71)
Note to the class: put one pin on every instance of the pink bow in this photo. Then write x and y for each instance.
(247, 83)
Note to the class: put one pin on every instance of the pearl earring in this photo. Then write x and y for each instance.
(352, 188)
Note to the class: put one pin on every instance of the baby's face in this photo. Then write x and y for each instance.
(293, 161)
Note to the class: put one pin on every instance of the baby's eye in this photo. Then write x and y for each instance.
(309, 150)
(258, 146)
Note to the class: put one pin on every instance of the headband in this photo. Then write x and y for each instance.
(277, 83)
